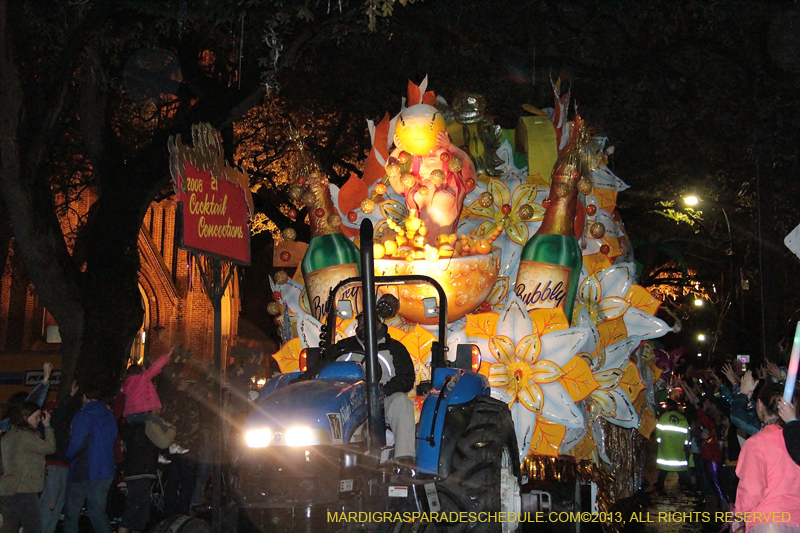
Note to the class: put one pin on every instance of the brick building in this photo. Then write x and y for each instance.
(176, 309)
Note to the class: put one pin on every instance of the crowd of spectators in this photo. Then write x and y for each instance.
(740, 442)
(109, 460)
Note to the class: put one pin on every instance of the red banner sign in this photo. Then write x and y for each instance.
(215, 198)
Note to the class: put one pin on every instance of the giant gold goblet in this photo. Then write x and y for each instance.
(466, 281)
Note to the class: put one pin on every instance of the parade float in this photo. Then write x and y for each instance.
(520, 227)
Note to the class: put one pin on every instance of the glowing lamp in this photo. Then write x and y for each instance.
(698, 302)
(701, 337)
(691, 200)
(417, 127)
(258, 438)
(303, 362)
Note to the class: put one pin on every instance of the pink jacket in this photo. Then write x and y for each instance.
(769, 481)
(140, 393)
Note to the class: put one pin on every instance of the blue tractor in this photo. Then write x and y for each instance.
(315, 446)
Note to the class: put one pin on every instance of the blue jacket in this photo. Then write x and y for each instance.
(91, 444)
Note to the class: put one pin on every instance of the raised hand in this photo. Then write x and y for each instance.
(730, 373)
(47, 368)
(748, 384)
(786, 410)
(46, 418)
(773, 370)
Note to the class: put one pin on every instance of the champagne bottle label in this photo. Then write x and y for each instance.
(320, 282)
(542, 285)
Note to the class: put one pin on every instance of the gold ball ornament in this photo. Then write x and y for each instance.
(485, 199)
(408, 180)
(380, 188)
(438, 177)
(378, 250)
(281, 277)
(392, 170)
(274, 308)
(334, 220)
(563, 190)
(423, 191)
(455, 164)
(367, 205)
(289, 234)
(585, 186)
(309, 198)
(295, 192)
(526, 212)
(597, 230)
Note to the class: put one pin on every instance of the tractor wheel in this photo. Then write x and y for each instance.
(484, 476)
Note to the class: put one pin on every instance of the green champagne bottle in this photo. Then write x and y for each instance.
(331, 257)
(551, 260)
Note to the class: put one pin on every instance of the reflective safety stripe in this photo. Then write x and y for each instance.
(672, 428)
(667, 462)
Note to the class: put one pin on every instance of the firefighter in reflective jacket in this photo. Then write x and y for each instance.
(672, 435)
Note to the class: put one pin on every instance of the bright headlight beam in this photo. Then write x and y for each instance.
(299, 436)
(258, 438)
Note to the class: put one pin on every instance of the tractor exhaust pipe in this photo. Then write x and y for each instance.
(375, 430)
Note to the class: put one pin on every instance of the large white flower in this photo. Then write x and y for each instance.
(525, 367)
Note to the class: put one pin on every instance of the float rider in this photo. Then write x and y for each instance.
(672, 435)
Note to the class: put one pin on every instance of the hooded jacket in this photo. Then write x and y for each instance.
(140, 393)
(91, 444)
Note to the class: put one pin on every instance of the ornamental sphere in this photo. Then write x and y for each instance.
(506, 209)
(302, 180)
(392, 170)
(285, 256)
(485, 199)
(274, 308)
(591, 210)
(469, 183)
(319, 212)
(585, 186)
(352, 216)
(526, 212)
(563, 190)
(546, 202)
(281, 277)
(292, 213)
(380, 188)
(455, 164)
(423, 191)
(438, 177)
(445, 157)
(408, 180)
(334, 220)
(597, 230)
(295, 192)
(367, 205)
(402, 157)
(309, 198)
(289, 234)
(605, 249)
(276, 296)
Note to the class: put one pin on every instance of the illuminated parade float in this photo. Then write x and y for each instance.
(521, 230)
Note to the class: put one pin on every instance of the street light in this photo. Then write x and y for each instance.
(691, 200)
(698, 302)
(701, 337)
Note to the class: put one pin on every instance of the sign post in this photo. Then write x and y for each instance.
(215, 206)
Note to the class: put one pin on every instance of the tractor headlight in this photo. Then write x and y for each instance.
(258, 438)
(300, 436)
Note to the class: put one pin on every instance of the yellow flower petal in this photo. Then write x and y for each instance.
(608, 379)
(532, 397)
(498, 375)
(529, 348)
(545, 372)
(502, 349)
